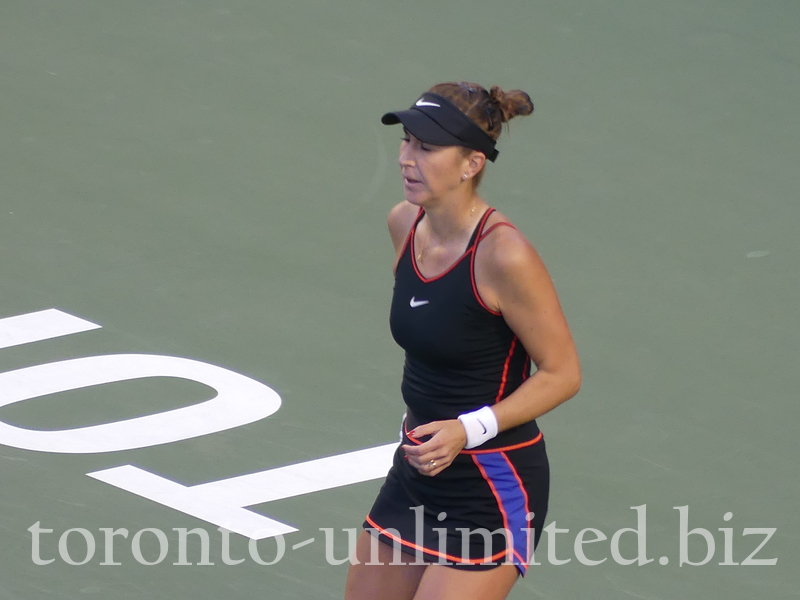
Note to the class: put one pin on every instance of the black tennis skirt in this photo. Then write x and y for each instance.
(486, 509)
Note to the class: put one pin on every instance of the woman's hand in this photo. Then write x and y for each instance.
(448, 438)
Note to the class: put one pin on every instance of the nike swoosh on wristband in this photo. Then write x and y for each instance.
(424, 103)
(484, 427)
(415, 303)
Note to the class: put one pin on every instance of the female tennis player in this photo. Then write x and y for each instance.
(465, 500)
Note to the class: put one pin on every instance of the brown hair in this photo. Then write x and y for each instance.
(488, 109)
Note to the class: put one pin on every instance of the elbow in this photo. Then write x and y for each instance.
(566, 382)
(576, 384)
(571, 387)
(573, 381)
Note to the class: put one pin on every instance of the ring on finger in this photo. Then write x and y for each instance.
(432, 464)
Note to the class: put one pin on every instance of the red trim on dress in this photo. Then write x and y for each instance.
(530, 442)
(480, 236)
(455, 559)
(527, 504)
(492, 228)
(410, 233)
(535, 440)
(470, 249)
(499, 504)
(443, 273)
(504, 378)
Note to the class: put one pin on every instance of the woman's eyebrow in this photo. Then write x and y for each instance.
(408, 134)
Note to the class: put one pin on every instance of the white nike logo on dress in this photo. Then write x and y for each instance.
(415, 303)
(424, 103)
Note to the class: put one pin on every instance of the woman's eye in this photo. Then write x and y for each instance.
(424, 147)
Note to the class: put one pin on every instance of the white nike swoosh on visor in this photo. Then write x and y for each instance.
(415, 303)
(423, 103)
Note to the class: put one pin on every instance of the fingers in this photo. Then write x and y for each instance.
(427, 458)
(430, 450)
(428, 429)
(431, 445)
(447, 439)
(419, 457)
(428, 464)
(434, 467)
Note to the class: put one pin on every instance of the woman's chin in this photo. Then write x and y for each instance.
(415, 197)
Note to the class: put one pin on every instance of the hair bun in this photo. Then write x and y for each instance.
(512, 104)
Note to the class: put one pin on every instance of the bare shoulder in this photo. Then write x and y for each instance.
(506, 251)
(401, 219)
(508, 265)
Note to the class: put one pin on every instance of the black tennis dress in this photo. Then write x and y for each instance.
(488, 507)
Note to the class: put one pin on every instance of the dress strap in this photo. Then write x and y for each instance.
(479, 237)
(476, 235)
(410, 234)
(492, 228)
(420, 214)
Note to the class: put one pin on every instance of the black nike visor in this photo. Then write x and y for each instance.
(433, 119)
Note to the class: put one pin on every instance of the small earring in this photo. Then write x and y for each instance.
(464, 177)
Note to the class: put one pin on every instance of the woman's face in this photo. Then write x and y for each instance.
(430, 172)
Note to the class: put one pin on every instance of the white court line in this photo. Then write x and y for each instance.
(223, 502)
(303, 478)
(41, 325)
(181, 498)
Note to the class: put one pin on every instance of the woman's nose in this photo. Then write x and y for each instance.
(405, 158)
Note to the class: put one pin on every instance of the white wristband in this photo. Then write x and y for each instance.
(480, 425)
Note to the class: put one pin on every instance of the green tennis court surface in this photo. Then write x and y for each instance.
(207, 182)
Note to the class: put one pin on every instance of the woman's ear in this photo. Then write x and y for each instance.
(475, 162)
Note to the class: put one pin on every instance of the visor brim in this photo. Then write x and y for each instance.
(422, 127)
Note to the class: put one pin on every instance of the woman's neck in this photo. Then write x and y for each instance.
(449, 221)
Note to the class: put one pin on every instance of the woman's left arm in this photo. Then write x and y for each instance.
(518, 285)
(513, 280)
